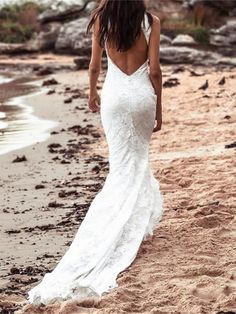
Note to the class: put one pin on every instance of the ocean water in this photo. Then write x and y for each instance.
(3, 124)
(19, 127)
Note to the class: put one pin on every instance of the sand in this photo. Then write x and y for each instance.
(189, 264)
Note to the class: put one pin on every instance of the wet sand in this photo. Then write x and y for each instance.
(189, 265)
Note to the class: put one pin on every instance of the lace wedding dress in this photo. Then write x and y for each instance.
(127, 208)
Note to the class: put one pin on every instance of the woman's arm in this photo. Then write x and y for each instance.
(155, 69)
(94, 69)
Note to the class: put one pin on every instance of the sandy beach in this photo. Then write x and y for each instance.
(188, 267)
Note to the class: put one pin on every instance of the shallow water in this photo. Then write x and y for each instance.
(19, 127)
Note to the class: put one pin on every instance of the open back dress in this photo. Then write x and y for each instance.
(129, 205)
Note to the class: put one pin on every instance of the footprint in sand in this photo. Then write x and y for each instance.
(211, 289)
(208, 222)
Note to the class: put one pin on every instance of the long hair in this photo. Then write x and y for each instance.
(119, 22)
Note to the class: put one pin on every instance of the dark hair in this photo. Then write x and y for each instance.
(119, 21)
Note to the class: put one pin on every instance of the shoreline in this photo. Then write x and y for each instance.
(184, 268)
(25, 123)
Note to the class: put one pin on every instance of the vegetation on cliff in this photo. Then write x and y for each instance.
(18, 22)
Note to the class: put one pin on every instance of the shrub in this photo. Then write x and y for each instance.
(18, 22)
(201, 35)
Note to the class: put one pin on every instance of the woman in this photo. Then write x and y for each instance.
(129, 205)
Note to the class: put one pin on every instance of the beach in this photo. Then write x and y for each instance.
(188, 267)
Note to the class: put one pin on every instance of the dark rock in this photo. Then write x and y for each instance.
(44, 71)
(232, 145)
(54, 145)
(54, 204)
(14, 270)
(171, 82)
(39, 186)
(19, 159)
(68, 100)
(82, 62)
(50, 92)
(51, 81)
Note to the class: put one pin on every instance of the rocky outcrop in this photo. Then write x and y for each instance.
(70, 13)
(182, 55)
(189, 55)
(183, 40)
(224, 38)
(226, 7)
(165, 40)
(46, 39)
(11, 48)
(72, 38)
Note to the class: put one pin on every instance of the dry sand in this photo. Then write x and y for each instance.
(189, 266)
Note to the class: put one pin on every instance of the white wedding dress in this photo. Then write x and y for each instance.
(129, 205)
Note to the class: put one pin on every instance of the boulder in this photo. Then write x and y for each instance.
(82, 62)
(185, 55)
(46, 38)
(72, 38)
(225, 38)
(12, 48)
(224, 7)
(183, 40)
(67, 12)
(165, 40)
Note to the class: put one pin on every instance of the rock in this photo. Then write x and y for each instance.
(171, 82)
(19, 159)
(226, 61)
(39, 186)
(68, 100)
(188, 55)
(54, 145)
(51, 81)
(43, 70)
(72, 38)
(165, 40)
(50, 92)
(12, 48)
(46, 38)
(14, 270)
(183, 40)
(194, 73)
(52, 15)
(185, 55)
(232, 145)
(224, 7)
(225, 38)
(82, 62)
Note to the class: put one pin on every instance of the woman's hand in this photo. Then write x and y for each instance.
(158, 123)
(94, 101)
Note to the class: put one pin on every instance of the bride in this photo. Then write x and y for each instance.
(129, 206)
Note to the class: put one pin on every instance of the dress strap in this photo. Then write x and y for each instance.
(146, 27)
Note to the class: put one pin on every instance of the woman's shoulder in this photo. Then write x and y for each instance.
(155, 18)
(155, 24)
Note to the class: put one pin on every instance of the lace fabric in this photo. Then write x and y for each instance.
(129, 205)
